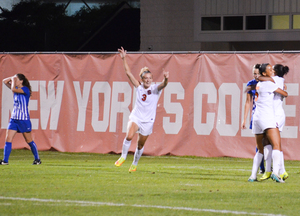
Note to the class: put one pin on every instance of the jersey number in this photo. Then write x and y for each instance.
(144, 97)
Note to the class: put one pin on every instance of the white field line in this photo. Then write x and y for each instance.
(5, 204)
(206, 168)
(90, 203)
(196, 158)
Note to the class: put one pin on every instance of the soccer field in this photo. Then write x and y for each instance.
(90, 184)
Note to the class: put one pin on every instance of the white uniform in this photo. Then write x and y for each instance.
(264, 117)
(144, 111)
(278, 99)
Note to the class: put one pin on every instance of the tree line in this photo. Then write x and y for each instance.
(35, 26)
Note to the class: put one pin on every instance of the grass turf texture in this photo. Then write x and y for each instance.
(90, 184)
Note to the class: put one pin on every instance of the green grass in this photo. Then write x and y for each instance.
(90, 184)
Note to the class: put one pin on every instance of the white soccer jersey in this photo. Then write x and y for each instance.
(278, 100)
(264, 117)
(146, 103)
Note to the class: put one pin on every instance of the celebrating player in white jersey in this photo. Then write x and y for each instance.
(20, 120)
(279, 72)
(142, 117)
(264, 123)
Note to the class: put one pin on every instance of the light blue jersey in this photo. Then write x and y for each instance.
(20, 122)
(21, 101)
(252, 93)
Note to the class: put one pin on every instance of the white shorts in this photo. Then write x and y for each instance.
(280, 121)
(260, 125)
(145, 128)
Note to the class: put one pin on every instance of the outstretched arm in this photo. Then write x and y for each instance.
(165, 81)
(134, 81)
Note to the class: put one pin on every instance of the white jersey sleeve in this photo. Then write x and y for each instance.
(279, 81)
(278, 101)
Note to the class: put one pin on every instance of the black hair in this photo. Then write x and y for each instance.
(25, 81)
(263, 67)
(281, 70)
(256, 66)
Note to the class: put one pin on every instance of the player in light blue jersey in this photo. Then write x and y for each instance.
(251, 100)
(20, 120)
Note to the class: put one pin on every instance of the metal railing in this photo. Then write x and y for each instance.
(158, 52)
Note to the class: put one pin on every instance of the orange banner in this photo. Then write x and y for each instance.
(81, 103)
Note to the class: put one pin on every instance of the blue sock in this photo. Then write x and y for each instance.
(7, 151)
(34, 150)
(262, 165)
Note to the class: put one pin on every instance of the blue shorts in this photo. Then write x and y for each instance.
(21, 126)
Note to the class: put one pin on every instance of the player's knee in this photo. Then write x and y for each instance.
(129, 138)
(8, 138)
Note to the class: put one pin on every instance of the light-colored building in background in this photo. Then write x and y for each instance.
(203, 25)
(168, 25)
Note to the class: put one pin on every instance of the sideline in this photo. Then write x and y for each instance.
(91, 203)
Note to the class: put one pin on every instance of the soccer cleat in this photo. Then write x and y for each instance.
(266, 176)
(252, 180)
(261, 172)
(2, 162)
(284, 176)
(120, 161)
(132, 168)
(276, 178)
(37, 162)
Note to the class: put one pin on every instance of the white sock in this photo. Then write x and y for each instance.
(276, 156)
(268, 157)
(126, 146)
(256, 162)
(137, 155)
(282, 169)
